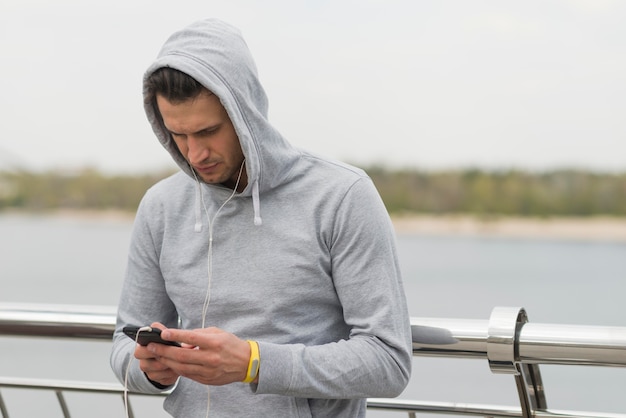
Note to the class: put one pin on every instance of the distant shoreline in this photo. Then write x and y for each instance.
(583, 229)
(86, 214)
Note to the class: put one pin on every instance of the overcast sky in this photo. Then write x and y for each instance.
(533, 84)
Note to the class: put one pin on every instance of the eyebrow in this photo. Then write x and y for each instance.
(201, 131)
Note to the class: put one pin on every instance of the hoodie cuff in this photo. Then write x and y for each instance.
(276, 368)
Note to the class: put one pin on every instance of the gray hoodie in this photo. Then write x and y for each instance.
(303, 261)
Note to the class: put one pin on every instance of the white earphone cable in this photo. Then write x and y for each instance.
(211, 221)
(208, 293)
(130, 360)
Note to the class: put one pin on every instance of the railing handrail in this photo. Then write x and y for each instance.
(432, 337)
(59, 321)
(537, 344)
(507, 340)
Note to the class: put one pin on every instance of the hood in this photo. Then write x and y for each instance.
(215, 54)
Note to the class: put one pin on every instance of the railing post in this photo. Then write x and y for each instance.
(3, 408)
(62, 403)
(505, 325)
(129, 409)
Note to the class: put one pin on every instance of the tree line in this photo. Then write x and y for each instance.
(506, 192)
(467, 191)
(86, 189)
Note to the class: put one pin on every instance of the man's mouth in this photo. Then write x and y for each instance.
(206, 168)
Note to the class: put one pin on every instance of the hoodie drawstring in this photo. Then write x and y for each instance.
(198, 226)
(256, 203)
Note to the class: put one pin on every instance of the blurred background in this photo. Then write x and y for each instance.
(453, 107)
(429, 84)
(494, 131)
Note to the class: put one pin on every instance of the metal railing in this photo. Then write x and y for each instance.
(510, 344)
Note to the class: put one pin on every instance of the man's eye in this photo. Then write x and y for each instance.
(208, 132)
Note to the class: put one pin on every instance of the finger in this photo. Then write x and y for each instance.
(142, 352)
(194, 371)
(152, 366)
(174, 356)
(165, 376)
(162, 328)
(193, 338)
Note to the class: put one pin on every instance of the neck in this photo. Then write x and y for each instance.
(242, 179)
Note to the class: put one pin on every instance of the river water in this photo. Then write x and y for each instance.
(81, 260)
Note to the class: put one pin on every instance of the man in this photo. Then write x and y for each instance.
(275, 269)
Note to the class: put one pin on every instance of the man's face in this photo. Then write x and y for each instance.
(205, 136)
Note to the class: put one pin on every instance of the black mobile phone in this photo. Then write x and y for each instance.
(147, 336)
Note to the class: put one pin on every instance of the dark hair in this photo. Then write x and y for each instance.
(173, 85)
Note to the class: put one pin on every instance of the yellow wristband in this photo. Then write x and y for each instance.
(253, 364)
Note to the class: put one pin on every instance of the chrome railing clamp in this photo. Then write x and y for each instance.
(505, 325)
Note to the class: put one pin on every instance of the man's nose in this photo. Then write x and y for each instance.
(197, 151)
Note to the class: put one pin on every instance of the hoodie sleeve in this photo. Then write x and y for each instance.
(375, 361)
(144, 299)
